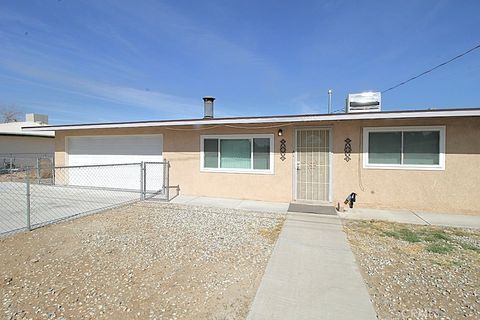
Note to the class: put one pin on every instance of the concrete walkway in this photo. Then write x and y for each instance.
(404, 216)
(312, 274)
(401, 216)
(262, 206)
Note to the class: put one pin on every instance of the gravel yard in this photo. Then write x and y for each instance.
(418, 272)
(149, 260)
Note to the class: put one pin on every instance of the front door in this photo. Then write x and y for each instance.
(312, 155)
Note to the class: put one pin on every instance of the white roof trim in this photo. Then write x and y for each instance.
(280, 119)
(15, 128)
(48, 134)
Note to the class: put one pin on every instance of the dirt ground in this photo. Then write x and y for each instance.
(146, 261)
(418, 272)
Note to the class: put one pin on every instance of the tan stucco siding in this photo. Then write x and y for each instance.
(182, 148)
(26, 144)
(451, 190)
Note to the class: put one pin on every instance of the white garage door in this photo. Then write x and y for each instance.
(98, 150)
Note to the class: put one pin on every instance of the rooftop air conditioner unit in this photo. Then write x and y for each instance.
(364, 102)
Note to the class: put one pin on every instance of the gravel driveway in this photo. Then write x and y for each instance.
(147, 260)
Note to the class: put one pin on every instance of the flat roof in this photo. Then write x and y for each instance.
(16, 129)
(409, 114)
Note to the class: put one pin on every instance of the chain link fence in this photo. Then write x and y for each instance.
(14, 162)
(35, 196)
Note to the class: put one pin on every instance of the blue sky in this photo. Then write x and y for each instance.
(89, 61)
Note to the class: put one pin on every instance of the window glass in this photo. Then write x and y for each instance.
(421, 147)
(385, 147)
(235, 153)
(261, 153)
(210, 148)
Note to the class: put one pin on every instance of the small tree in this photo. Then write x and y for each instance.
(10, 114)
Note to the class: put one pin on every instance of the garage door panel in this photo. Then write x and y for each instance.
(117, 145)
(102, 150)
(80, 160)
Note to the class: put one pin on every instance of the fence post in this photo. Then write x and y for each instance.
(144, 180)
(27, 183)
(167, 165)
(38, 170)
(164, 177)
(141, 180)
(52, 165)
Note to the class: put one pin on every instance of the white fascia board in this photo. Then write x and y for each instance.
(35, 133)
(47, 133)
(282, 119)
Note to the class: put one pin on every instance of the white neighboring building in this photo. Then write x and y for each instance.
(21, 145)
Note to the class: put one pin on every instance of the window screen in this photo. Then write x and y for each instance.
(242, 153)
(421, 147)
(210, 149)
(261, 153)
(407, 147)
(385, 147)
(235, 153)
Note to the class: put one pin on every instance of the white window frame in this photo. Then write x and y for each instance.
(441, 160)
(234, 137)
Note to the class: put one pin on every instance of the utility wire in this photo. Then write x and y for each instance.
(430, 70)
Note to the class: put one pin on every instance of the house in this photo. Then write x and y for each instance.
(20, 148)
(426, 160)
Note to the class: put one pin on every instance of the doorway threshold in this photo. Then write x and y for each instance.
(317, 208)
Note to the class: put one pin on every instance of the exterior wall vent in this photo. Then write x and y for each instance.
(364, 102)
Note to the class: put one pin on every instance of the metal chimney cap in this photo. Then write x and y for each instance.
(208, 107)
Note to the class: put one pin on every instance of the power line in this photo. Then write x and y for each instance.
(430, 70)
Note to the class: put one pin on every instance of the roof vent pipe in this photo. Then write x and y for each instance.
(208, 107)
(330, 101)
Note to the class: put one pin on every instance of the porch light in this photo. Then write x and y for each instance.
(280, 132)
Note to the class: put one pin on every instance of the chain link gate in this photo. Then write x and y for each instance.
(156, 180)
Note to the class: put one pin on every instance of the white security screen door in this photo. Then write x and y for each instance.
(312, 164)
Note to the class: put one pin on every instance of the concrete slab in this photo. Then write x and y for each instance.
(414, 217)
(386, 215)
(263, 206)
(312, 274)
(183, 199)
(215, 202)
(451, 220)
(281, 207)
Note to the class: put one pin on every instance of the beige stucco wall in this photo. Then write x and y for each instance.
(181, 147)
(453, 190)
(26, 144)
